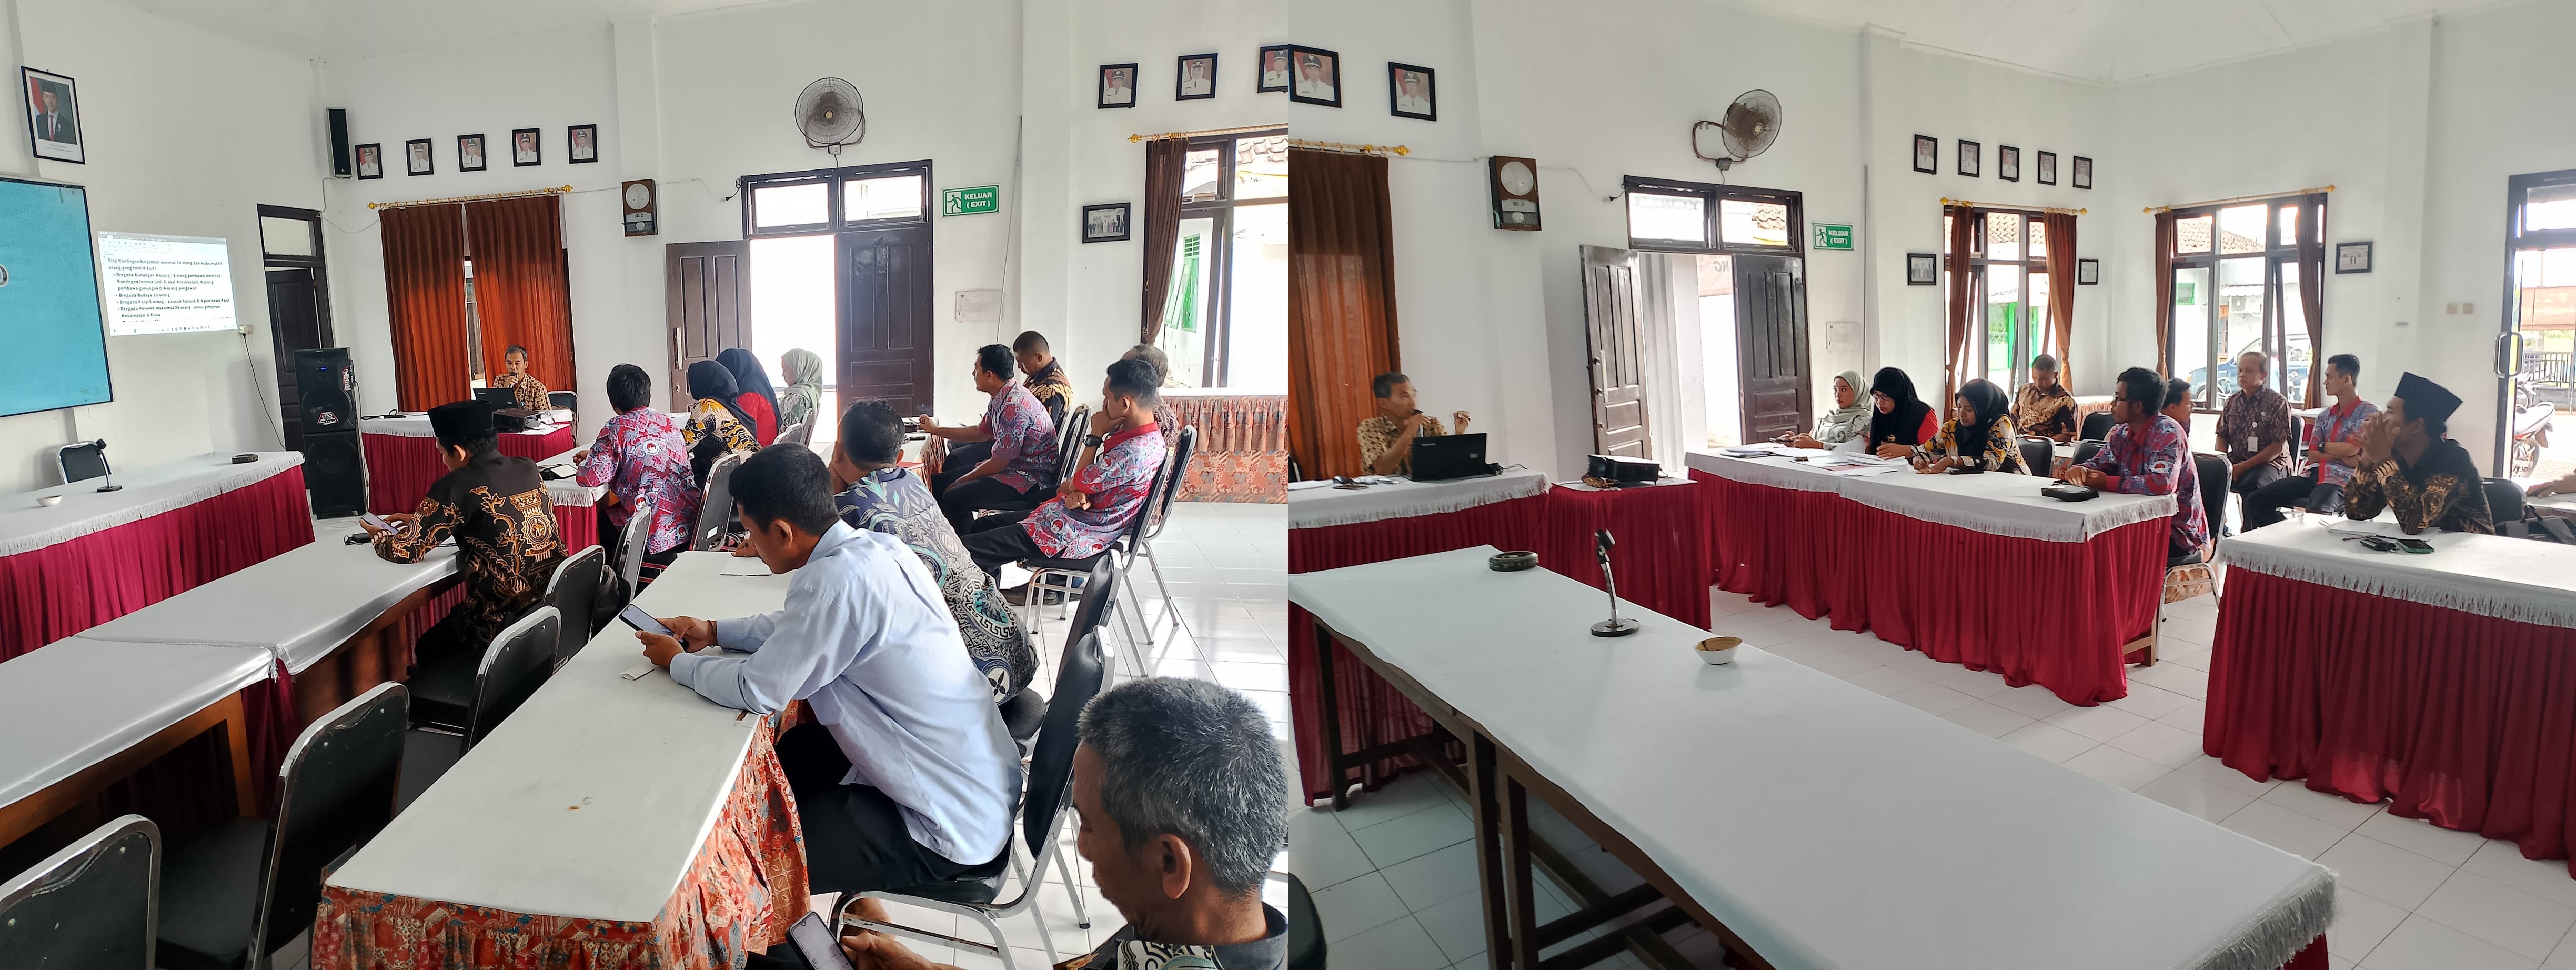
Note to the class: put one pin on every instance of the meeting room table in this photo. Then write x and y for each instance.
(2442, 682)
(1978, 570)
(608, 823)
(576, 505)
(168, 528)
(82, 715)
(402, 456)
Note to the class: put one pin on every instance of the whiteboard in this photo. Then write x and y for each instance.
(165, 284)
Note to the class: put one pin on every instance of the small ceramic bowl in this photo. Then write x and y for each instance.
(50, 501)
(1512, 562)
(1718, 650)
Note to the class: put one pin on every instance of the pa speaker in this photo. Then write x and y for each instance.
(335, 473)
(326, 390)
(340, 167)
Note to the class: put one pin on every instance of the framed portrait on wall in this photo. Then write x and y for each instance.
(1197, 80)
(581, 144)
(525, 149)
(1409, 93)
(416, 159)
(2083, 174)
(1922, 269)
(2352, 257)
(1117, 85)
(1927, 154)
(1274, 70)
(1971, 158)
(469, 153)
(53, 116)
(2007, 163)
(1104, 223)
(2088, 272)
(2048, 168)
(1319, 76)
(371, 161)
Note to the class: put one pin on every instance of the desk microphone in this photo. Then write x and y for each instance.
(104, 469)
(1614, 626)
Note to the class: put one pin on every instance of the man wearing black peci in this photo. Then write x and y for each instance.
(495, 506)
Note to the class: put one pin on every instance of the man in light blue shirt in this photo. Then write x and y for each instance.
(910, 777)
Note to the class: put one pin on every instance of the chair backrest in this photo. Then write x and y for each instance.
(93, 904)
(800, 434)
(2504, 501)
(2038, 455)
(630, 547)
(1158, 502)
(336, 790)
(1055, 410)
(2097, 426)
(1077, 681)
(718, 509)
(87, 459)
(518, 662)
(1099, 596)
(572, 592)
(2215, 475)
(563, 400)
(1069, 442)
(1305, 932)
(2084, 452)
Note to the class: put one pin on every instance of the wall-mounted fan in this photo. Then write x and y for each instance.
(1751, 124)
(831, 114)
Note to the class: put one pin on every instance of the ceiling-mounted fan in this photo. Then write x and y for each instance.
(1750, 125)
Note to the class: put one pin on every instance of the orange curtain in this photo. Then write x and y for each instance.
(2061, 291)
(2164, 292)
(1341, 304)
(425, 303)
(1963, 293)
(520, 288)
(1163, 169)
(2312, 280)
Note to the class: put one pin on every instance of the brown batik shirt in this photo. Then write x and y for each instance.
(496, 509)
(1378, 435)
(2044, 413)
(2254, 420)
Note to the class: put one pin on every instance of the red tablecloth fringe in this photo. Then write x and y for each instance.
(400, 469)
(2463, 720)
(62, 589)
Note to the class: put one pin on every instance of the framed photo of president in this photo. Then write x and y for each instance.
(416, 160)
(53, 116)
(525, 148)
(1318, 78)
(581, 144)
(1117, 86)
(1197, 78)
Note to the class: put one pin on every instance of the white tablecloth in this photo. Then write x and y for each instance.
(647, 762)
(2515, 579)
(74, 703)
(147, 492)
(1310, 508)
(2000, 503)
(566, 491)
(417, 425)
(1831, 827)
(299, 605)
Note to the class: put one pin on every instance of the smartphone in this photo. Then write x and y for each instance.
(2414, 545)
(370, 518)
(636, 617)
(814, 942)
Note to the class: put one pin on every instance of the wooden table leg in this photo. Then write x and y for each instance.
(1330, 702)
(235, 718)
(1490, 873)
(1516, 861)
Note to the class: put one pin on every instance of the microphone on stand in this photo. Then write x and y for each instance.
(106, 470)
(1614, 626)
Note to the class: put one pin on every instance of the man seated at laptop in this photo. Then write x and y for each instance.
(1100, 500)
(1386, 439)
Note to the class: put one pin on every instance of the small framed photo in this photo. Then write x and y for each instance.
(1274, 70)
(53, 116)
(1104, 223)
(1927, 154)
(1117, 85)
(1970, 155)
(2088, 272)
(371, 161)
(525, 148)
(1409, 93)
(416, 157)
(1197, 80)
(2352, 257)
(2007, 163)
(1922, 269)
(2083, 175)
(1319, 76)
(469, 153)
(2048, 168)
(581, 144)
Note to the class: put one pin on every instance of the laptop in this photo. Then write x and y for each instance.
(1444, 457)
(499, 397)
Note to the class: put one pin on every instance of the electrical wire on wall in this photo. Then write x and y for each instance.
(1577, 173)
(260, 390)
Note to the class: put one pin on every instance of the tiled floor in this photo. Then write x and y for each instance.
(1394, 880)
(1227, 568)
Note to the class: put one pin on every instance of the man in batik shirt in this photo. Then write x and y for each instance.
(2254, 428)
(1019, 468)
(1102, 499)
(1045, 378)
(496, 509)
(2043, 408)
(2334, 446)
(2408, 467)
(2147, 455)
(643, 459)
(526, 390)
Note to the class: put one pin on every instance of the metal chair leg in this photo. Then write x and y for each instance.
(1071, 888)
(1156, 566)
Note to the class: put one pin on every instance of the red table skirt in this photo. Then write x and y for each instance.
(746, 886)
(62, 589)
(400, 469)
(2463, 720)
(579, 526)
(1660, 554)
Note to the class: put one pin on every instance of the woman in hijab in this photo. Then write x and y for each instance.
(804, 372)
(717, 424)
(757, 398)
(1849, 419)
(1978, 435)
(1899, 420)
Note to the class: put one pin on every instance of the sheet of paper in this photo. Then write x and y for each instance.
(745, 566)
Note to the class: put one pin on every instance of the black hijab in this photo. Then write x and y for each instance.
(710, 381)
(1989, 403)
(749, 375)
(1904, 425)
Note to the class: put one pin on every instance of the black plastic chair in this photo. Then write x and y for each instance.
(2097, 426)
(717, 511)
(1025, 711)
(1062, 571)
(631, 545)
(89, 905)
(233, 896)
(1078, 679)
(2504, 501)
(564, 401)
(1305, 932)
(572, 592)
(2215, 476)
(2038, 456)
(2084, 452)
(518, 662)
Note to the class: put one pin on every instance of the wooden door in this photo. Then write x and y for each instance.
(885, 317)
(708, 301)
(1771, 345)
(294, 323)
(1611, 321)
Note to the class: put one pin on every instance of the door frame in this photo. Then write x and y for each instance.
(282, 358)
(2510, 319)
(1797, 271)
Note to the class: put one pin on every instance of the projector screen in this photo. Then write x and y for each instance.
(49, 319)
(165, 284)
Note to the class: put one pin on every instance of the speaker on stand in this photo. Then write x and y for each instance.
(335, 469)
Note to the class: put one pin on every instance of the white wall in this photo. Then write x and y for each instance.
(188, 133)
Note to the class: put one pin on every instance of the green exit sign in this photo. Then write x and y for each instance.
(967, 202)
(1833, 235)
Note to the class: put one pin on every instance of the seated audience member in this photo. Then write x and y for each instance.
(640, 457)
(1020, 464)
(877, 496)
(495, 507)
(2254, 429)
(801, 402)
(2178, 405)
(1849, 419)
(1163, 414)
(1181, 808)
(2043, 408)
(1902, 420)
(2334, 446)
(2408, 467)
(759, 401)
(717, 424)
(1101, 499)
(1162, 363)
(907, 775)
(1386, 438)
(2146, 455)
(1978, 435)
(1045, 376)
(526, 391)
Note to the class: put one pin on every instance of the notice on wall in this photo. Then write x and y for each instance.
(165, 284)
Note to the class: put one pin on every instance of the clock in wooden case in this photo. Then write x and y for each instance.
(1514, 183)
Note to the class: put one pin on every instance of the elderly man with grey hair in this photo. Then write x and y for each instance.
(2254, 430)
(1183, 802)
